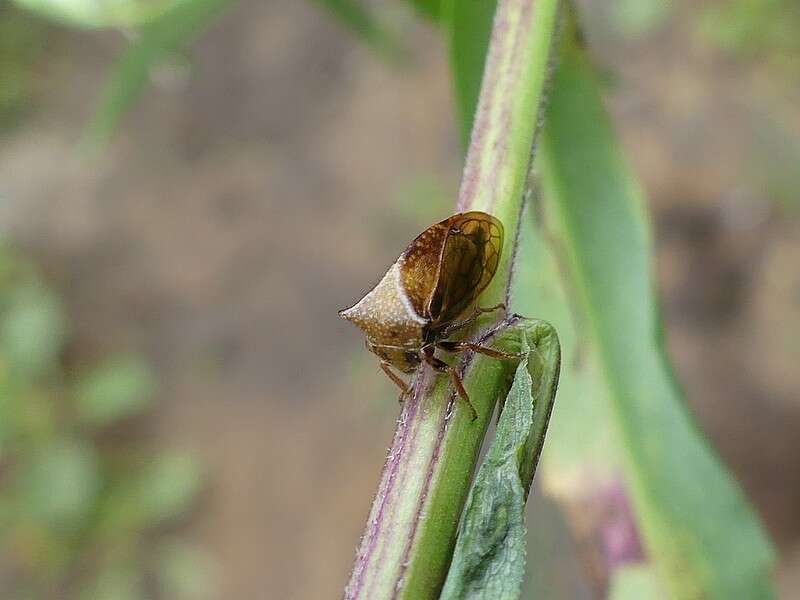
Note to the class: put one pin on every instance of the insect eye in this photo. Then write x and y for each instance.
(411, 357)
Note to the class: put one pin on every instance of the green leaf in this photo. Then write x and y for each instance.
(365, 25)
(430, 8)
(169, 485)
(634, 583)
(59, 484)
(489, 559)
(161, 490)
(32, 330)
(469, 25)
(766, 29)
(185, 572)
(698, 528)
(116, 583)
(157, 40)
(639, 17)
(582, 438)
(117, 389)
(23, 40)
(94, 14)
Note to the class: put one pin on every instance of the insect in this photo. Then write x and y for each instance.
(430, 292)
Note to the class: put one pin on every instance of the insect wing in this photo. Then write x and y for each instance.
(419, 265)
(469, 261)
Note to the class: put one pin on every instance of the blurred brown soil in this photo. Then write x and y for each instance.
(239, 208)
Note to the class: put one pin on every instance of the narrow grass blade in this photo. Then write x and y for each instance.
(169, 33)
(365, 25)
(468, 27)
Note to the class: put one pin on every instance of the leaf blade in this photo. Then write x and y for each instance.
(598, 205)
(169, 33)
(489, 558)
(365, 25)
(469, 25)
(432, 9)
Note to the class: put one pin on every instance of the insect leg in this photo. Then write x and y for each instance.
(442, 367)
(448, 346)
(472, 318)
(500, 306)
(387, 368)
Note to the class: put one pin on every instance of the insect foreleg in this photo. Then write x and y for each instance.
(500, 306)
(387, 368)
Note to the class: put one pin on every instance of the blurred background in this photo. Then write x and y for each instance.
(182, 413)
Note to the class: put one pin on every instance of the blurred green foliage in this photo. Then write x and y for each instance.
(119, 387)
(81, 512)
(762, 29)
(468, 25)
(158, 30)
(22, 43)
(353, 15)
(94, 14)
(639, 17)
(429, 8)
(156, 41)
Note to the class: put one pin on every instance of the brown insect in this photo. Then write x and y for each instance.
(430, 292)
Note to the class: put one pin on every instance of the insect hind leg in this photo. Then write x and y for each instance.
(449, 346)
(442, 367)
(472, 318)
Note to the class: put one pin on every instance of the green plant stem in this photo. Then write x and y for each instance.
(408, 541)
